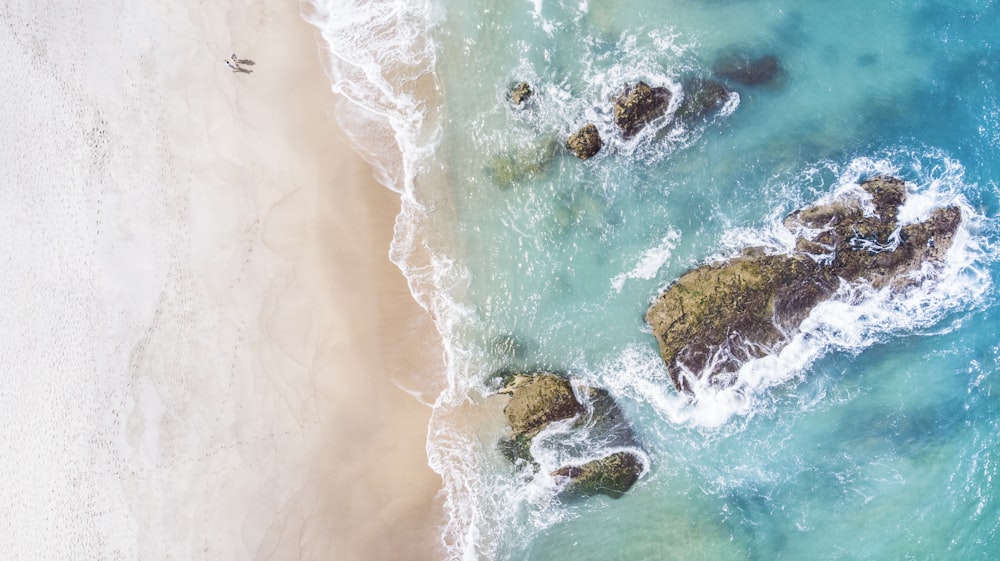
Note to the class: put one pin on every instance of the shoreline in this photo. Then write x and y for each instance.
(372, 435)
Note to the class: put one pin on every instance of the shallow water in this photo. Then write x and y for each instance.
(871, 436)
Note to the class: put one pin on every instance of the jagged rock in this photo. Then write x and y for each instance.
(701, 97)
(538, 400)
(611, 475)
(585, 142)
(638, 105)
(717, 316)
(744, 69)
(520, 92)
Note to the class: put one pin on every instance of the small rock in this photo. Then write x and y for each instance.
(520, 93)
(585, 143)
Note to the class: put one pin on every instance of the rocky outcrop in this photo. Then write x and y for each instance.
(520, 92)
(639, 105)
(715, 317)
(585, 142)
(745, 69)
(540, 399)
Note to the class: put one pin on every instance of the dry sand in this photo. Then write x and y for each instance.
(208, 324)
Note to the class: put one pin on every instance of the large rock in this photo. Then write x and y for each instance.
(638, 105)
(585, 142)
(540, 399)
(715, 317)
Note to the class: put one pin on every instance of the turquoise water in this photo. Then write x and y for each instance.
(873, 435)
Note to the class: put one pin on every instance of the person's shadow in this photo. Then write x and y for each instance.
(245, 62)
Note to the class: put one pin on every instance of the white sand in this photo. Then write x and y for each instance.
(201, 325)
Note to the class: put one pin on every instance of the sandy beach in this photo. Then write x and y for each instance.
(244, 326)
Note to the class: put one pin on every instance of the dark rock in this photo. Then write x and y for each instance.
(717, 316)
(749, 71)
(585, 142)
(520, 92)
(639, 105)
(611, 475)
(701, 97)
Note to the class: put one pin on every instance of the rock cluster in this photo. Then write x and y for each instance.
(717, 316)
(539, 399)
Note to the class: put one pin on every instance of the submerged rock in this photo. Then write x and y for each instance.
(638, 105)
(585, 142)
(520, 93)
(521, 163)
(717, 316)
(701, 97)
(744, 69)
(540, 399)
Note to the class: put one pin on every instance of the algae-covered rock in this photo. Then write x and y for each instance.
(585, 142)
(520, 92)
(719, 315)
(540, 399)
(611, 475)
(701, 97)
(639, 105)
(743, 68)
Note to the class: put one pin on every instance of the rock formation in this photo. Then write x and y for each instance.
(717, 316)
(540, 399)
(585, 142)
(638, 105)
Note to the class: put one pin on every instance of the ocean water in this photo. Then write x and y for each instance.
(872, 435)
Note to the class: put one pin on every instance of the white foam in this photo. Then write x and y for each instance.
(650, 262)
